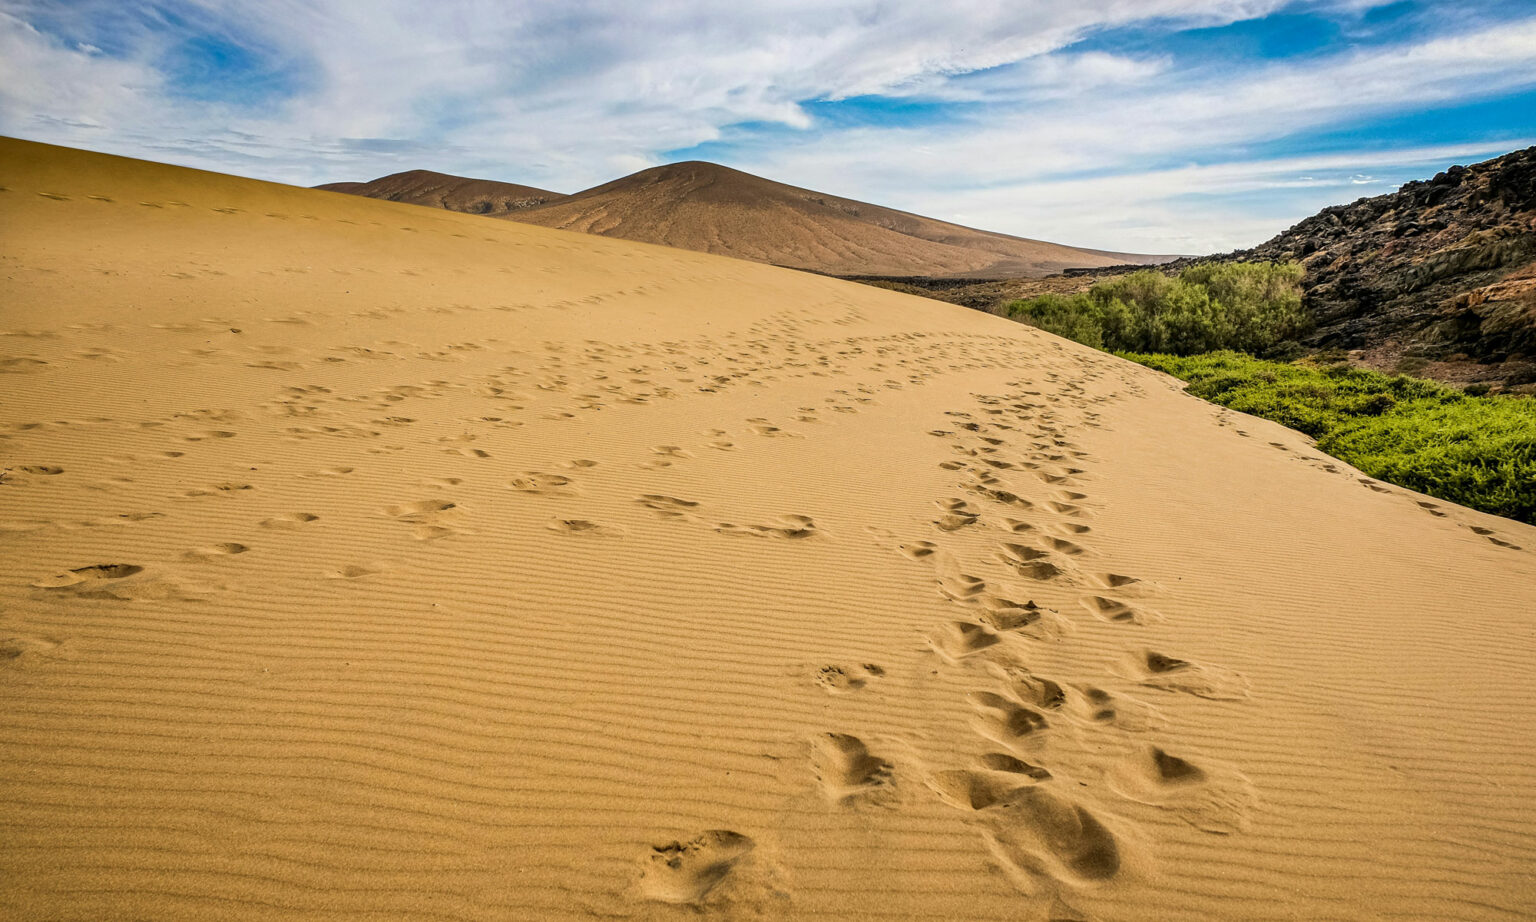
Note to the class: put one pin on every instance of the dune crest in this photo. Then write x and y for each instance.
(366, 560)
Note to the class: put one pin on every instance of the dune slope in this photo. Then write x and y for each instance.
(373, 562)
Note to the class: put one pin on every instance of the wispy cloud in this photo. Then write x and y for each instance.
(1074, 121)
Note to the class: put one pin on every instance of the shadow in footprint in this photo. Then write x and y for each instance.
(80, 575)
(686, 872)
(846, 769)
(842, 679)
(1004, 720)
(959, 639)
(1157, 670)
(1210, 797)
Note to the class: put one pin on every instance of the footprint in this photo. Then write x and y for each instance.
(585, 527)
(764, 428)
(961, 587)
(1157, 670)
(226, 549)
(1021, 553)
(80, 575)
(957, 514)
(419, 509)
(1005, 497)
(289, 520)
(918, 550)
(354, 571)
(1492, 537)
(685, 872)
(980, 790)
(15, 650)
(1114, 580)
(228, 488)
(790, 526)
(959, 639)
(109, 582)
(543, 484)
(669, 507)
(1107, 609)
(1040, 692)
(1004, 720)
(841, 679)
(1210, 797)
(47, 470)
(1038, 832)
(1028, 618)
(846, 769)
(1128, 714)
(1003, 762)
(1040, 570)
(1062, 546)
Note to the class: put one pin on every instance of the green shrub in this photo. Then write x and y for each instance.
(1249, 306)
(1479, 451)
(1064, 315)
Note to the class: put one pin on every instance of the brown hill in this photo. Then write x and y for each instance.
(455, 193)
(715, 209)
(1436, 279)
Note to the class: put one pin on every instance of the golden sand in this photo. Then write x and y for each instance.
(369, 562)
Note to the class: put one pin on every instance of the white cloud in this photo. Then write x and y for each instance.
(568, 94)
(1194, 209)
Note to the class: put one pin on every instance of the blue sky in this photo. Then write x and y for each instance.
(1167, 126)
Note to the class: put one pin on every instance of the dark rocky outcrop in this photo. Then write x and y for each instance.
(1437, 278)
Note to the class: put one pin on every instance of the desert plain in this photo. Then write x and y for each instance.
(366, 561)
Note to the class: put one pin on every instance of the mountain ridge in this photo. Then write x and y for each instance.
(489, 197)
(703, 206)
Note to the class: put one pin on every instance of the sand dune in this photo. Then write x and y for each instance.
(371, 561)
(714, 209)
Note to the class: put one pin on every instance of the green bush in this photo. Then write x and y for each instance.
(1249, 306)
(1474, 450)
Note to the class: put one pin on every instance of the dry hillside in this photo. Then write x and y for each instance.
(715, 209)
(455, 193)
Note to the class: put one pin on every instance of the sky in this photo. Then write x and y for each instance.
(1150, 126)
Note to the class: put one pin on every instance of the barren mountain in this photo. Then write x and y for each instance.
(455, 193)
(1438, 278)
(715, 209)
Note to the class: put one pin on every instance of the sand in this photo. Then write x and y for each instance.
(366, 561)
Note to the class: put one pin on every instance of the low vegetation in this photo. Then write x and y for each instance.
(1252, 307)
(1207, 324)
(1473, 450)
